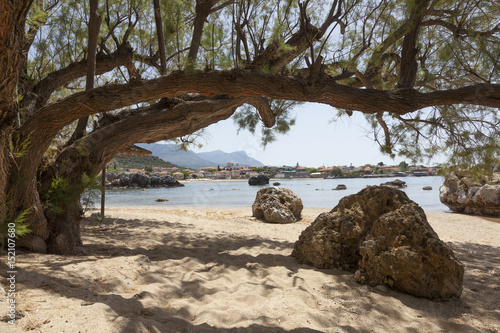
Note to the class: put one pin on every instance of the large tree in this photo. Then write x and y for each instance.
(423, 72)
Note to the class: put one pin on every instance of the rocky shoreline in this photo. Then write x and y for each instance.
(140, 180)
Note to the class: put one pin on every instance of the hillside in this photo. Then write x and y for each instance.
(139, 162)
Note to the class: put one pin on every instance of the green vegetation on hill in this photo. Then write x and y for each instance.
(139, 162)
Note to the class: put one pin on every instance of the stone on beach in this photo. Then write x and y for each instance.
(385, 238)
(462, 195)
(277, 205)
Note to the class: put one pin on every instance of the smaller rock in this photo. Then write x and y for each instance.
(340, 187)
(427, 188)
(397, 183)
(161, 200)
(276, 184)
(277, 205)
(359, 277)
(382, 288)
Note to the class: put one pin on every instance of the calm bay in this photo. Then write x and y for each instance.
(315, 193)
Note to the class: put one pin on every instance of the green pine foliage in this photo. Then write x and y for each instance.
(13, 227)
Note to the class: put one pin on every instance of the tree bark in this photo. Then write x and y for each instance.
(409, 52)
(91, 153)
(94, 24)
(12, 39)
(161, 37)
(41, 92)
(203, 9)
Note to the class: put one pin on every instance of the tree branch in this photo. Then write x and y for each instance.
(203, 10)
(458, 31)
(94, 25)
(409, 64)
(240, 83)
(161, 37)
(162, 121)
(264, 108)
(42, 91)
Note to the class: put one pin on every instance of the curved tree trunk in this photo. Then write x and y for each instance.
(12, 38)
(163, 121)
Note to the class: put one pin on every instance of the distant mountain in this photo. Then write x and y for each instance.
(222, 158)
(172, 154)
(190, 159)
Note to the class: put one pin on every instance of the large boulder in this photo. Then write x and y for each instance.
(462, 195)
(155, 180)
(124, 179)
(277, 205)
(258, 180)
(384, 237)
(141, 179)
(170, 181)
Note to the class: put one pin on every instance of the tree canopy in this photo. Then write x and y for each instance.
(425, 74)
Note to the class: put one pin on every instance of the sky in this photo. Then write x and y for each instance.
(312, 142)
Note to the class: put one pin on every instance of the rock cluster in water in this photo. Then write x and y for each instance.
(258, 180)
(397, 183)
(462, 195)
(384, 237)
(277, 205)
(140, 180)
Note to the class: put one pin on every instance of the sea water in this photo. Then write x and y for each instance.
(316, 193)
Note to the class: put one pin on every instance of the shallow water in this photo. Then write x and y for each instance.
(313, 192)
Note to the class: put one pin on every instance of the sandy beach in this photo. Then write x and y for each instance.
(194, 269)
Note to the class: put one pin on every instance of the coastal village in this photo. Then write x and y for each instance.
(236, 171)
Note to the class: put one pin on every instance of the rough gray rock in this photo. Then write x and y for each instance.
(140, 180)
(124, 179)
(462, 195)
(258, 180)
(116, 182)
(277, 205)
(384, 237)
(397, 183)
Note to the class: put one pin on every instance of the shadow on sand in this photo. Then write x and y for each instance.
(228, 251)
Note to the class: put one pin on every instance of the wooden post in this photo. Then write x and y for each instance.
(103, 191)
